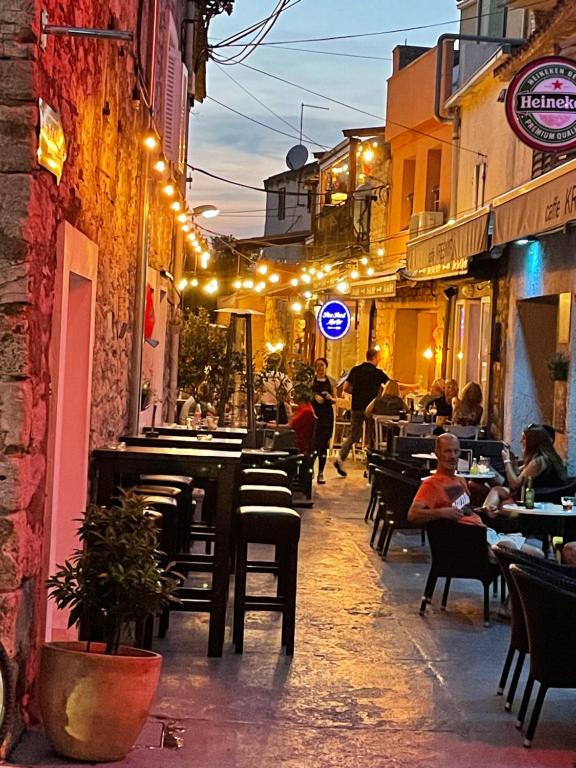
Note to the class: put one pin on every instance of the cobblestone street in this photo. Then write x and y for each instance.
(371, 682)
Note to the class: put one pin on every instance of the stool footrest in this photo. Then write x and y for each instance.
(262, 566)
(263, 603)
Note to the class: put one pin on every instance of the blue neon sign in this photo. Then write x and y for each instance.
(334, 320)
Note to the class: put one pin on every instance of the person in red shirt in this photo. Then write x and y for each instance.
(303, 422)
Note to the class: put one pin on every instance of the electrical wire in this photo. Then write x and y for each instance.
(258, 122)
(259, 101)
(364, 112)
(331, 53)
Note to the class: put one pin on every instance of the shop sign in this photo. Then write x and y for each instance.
(447, 251)
(543, 207)
(334, 320)
(376, 289)
(541, 104)
(51, 151)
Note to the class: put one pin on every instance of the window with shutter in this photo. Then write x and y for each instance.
(172, 104)
(183, 127)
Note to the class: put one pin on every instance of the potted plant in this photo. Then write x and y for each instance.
(95, 696)
(558, 366)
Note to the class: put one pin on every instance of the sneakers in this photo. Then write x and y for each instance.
(320, 479)
(339, 468)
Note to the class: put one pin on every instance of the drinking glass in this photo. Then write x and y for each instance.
(567, 503)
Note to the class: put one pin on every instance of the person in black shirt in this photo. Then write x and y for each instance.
(443, 404)
(365, 382)
(323, 403)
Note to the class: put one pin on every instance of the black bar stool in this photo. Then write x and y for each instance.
(279, 526)
(264, 477)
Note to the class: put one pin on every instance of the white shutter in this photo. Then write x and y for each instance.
(172, 104)
(183, 121)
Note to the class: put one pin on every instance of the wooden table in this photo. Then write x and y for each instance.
(257, 456)
(107, 467)
(180, 429)
(213, 443)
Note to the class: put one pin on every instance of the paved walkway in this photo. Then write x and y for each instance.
(372, 685)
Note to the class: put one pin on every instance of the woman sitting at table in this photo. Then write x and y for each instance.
(303, 422)
(468, 409)
(541, 463)
(389, 403)
(436, 390)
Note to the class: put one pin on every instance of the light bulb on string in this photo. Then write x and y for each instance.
(312, 270)
(260, 287)
(364, 260)
(169, 189)
(274, 278)
(182, 218)
(151, 141)
(262, 269)
(160, 166)
(237, 284)
(204, 259)
(307, 295)
(327, 267)
(194, 282)
(380, 251)
(185, 228)
(306, 279)
(176, 206)
(248, 283)
(182, 284)
(354, 274)
(294, 282)
(296, 307)
(370, 271)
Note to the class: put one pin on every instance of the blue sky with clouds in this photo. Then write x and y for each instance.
(231, 146)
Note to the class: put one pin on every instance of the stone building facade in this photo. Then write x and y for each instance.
(94, 217)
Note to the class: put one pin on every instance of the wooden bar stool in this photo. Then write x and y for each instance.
(279, 526)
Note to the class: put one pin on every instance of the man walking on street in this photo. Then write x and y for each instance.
(365, 382)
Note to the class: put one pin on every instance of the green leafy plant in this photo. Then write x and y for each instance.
(302, 379)
(116, 577)
(558, 366)
(202, 354)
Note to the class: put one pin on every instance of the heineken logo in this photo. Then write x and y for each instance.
(541, 104)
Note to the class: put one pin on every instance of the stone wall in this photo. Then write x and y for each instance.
(91, 83)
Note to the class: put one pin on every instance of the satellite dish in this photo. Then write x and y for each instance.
(296, 157)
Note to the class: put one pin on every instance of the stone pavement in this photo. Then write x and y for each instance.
(371, 684)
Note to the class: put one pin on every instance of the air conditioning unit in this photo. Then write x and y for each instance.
(425, 221)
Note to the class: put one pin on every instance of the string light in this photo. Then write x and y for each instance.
(380, 251)
(151, 142)
(327, 267)
(194, 282)
(294, 282)
(212, 286)
(169, 189)
(354, 274)
(370, 271)
(248, 284)
(296, 307)
(260, 287)
(237, 284)
(364, 260)
(307, 295)
(274, 278)
(160, 166)
(176, 206)
(306, 279)
(204, 259)
(342, 287)
(185, 228)
(262, 269)
(182, 284)
(182, 218)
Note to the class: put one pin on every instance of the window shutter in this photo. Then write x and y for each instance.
(172, 104)
(182, 137)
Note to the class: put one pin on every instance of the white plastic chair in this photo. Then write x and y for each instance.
(418, 430)
(465, 432)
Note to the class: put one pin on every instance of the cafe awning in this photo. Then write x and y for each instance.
(542, 204)
(381, 287)
(447, 250)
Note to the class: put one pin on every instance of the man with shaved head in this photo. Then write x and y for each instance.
(444, 495)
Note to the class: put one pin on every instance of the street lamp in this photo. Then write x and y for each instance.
(207, 211)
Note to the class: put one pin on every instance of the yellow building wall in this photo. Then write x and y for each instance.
(485, 129)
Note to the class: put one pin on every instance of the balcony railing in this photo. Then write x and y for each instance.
(343, 225)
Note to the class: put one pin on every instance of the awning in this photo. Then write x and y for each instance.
(447, 250)
(543, 204)
(377, 288)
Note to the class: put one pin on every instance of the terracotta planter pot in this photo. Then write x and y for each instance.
(94, 706)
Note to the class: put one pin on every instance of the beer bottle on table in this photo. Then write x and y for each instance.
(529, 495)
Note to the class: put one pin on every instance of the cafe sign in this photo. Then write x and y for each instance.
(334, 320)
(541, 104)
(51, 151)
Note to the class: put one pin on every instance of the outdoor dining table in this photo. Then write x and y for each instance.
(109, 464)
(201, 441)
(258, 456)
(180, 429)
(544, 511)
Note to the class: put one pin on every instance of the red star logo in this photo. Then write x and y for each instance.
(557, 85)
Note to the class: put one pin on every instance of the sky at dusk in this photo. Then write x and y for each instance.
(230, 146)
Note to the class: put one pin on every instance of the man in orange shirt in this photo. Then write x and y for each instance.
(445, 496)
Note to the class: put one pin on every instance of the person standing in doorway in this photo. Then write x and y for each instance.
(365, 382)
(323, 403)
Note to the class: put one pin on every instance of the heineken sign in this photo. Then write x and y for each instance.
(541, 104)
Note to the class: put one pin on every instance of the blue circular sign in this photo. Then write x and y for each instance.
(334, 320)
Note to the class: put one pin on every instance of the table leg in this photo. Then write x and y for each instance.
(221, 572)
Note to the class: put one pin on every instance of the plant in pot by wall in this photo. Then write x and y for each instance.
(95, 696)
(558, 366)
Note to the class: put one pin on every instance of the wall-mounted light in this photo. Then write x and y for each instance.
(525, 240)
